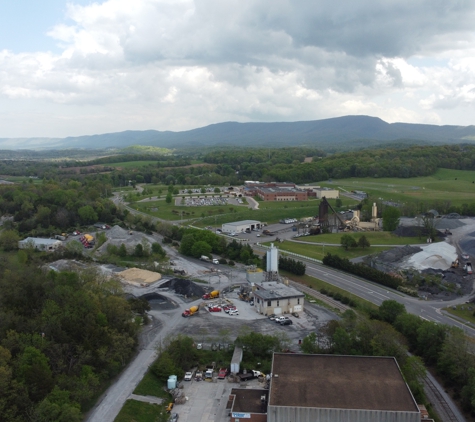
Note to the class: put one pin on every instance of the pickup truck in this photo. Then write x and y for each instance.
(188, 376)
(250, 375)
(199, 376)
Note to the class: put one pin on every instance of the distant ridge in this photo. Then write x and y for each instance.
(338, 131)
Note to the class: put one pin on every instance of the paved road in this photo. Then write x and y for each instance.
(374, 293)
(110, 404)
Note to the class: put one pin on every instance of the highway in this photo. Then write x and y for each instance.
(374, 293)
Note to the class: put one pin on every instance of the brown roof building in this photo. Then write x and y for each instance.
(248, 404)
(331, 388)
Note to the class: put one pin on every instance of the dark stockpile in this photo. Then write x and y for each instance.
(184, 287)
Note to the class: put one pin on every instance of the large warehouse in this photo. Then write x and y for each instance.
(39, 244)
(332, 388)
(241, 226)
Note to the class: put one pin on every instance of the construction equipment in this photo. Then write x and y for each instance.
(455, 264)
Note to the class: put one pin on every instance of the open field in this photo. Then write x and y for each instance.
(319, 251)
(463, 311)
(138, 411)
(456, 186)
(151, 386)
(374, 238)
(131, 164)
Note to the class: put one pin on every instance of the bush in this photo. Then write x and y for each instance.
(231, 263)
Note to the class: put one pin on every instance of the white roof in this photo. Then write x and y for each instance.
(40, 241)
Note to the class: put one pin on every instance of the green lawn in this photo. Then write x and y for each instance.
(445, 185)
(374, 238)
(137, 411)
(151, 386)
(319, 251)
(464, 313)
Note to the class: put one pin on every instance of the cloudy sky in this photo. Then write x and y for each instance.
(80, 67)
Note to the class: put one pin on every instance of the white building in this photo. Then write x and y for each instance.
(241, 226)
(39, 244)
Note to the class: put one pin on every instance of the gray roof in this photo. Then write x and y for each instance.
(274, 290)
(242, 223)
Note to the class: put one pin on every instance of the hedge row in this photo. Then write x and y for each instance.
(361, 270)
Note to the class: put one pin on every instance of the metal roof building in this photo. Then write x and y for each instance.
(332, 388)
(39, 243)
(241, 226)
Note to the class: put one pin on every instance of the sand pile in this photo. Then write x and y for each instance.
(138, 276)
(435, 255)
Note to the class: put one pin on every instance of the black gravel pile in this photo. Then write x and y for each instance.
(416, 231)
(184, 287)
(468, 243)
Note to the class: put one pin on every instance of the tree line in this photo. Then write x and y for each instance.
(63, 336)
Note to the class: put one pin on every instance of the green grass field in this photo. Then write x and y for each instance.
(151, 386)
(374, 238)
(319, 251)
(445, 185)
(464, 312)
(137, 411)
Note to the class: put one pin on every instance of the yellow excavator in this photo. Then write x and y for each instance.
(455, 264)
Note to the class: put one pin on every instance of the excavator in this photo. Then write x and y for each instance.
(455, 264)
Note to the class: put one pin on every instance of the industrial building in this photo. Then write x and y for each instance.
(327, 193)
(39, 244)
(277, 298)
(332, 388)
(275, 191)
(248, 404)
(241, 226)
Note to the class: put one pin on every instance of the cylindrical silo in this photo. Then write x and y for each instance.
(272, 259)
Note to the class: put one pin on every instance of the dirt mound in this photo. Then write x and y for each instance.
(184, 287)
(468, 243)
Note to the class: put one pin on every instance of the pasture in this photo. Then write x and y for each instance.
(456, 186)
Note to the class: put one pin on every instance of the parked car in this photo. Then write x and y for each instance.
(233, 312)
(281, 318)
(272, 317)
(173, 417)
(214, 309)
(286, 322)
(188, 376)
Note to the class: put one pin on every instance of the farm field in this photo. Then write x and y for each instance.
(456, 186)
(374, 238)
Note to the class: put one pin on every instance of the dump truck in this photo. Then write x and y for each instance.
(205, 258)
(213, 295)
(189, 312)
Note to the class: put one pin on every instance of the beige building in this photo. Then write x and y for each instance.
(39, 244)
(277, 298)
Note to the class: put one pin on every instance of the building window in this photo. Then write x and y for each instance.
(298, 301)
(277, 303)
(269, 303)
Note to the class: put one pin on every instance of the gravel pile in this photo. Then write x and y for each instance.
(468, 243)
(184, 287)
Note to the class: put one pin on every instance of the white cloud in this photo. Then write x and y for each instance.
(179, 64)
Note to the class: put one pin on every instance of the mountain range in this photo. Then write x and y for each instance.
(345, 132)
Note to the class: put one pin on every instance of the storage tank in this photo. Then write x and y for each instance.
(272, 259)
(171, 383)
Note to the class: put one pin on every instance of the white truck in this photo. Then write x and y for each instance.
(215, 261)
(188, 376)
(205, 258)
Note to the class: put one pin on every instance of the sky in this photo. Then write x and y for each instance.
(81, 67)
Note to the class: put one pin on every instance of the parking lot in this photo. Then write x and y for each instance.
(206, 401)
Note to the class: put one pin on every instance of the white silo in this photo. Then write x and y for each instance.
(272, 259)
(374, 211)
